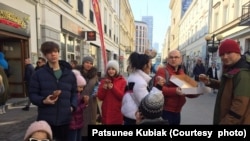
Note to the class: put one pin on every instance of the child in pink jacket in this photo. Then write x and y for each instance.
(76, 123)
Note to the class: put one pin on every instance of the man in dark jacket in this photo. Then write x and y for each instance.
(53, 89)
(198, 69)
(212, 73)
(28, 71)
(40, 63)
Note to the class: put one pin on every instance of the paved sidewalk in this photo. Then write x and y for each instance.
(14, 123)
(199, 111)
(16, 101)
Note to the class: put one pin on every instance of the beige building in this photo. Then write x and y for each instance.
(141, 37)
(209, 19)
(26, 24)
(193, 29)
(175, 7)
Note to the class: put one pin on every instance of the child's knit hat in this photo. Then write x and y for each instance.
(79, 78)
(38, 126)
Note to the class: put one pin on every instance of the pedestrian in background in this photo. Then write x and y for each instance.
(198, 69)
(28, 72)
(5, 95)
(110, 92)
(4, 64)
(77, 122)
(232, 104)
(212, 73)
(39, 131)
(40, 63)
(73, 64)
(53, 90)
(89, 72)
(173, 95)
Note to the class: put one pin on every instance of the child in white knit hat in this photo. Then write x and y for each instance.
(110, 92)
(38, 130)
(76, 123)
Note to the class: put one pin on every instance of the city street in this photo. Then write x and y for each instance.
(199, 111)
(13, 124)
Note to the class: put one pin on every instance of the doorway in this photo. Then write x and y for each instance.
(15, 51)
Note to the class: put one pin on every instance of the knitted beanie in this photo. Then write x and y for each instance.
(87, 58)
(79, 78)
(151, 105)
(113, 64)
(38, 126)
(228, 46)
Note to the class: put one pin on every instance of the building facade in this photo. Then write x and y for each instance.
(141, 37)
(26, 24)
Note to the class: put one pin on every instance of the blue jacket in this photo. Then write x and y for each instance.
(43, 82)
(3, 62)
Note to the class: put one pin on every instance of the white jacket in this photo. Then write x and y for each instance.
(131, 101)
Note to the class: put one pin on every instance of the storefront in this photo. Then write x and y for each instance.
(14, 43)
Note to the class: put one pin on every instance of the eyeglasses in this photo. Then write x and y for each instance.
(33, 139)
(174, 57)
(38, 62)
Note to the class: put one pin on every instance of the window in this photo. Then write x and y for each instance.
(225, 15)
(91, 13)
(80, 6)
(110, 25)
(105, 20)
(216, 18)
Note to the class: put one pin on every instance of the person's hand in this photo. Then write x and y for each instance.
(86, 99)
(50, 100)
(105, 86)
(55, 94)
(160, 80)
(179, 91)
(204, 78)
(110, 85)
(108, 81)
(138, 117)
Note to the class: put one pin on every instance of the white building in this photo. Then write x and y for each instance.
(141, 37)
(26, 24)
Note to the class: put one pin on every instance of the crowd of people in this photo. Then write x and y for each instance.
(67, 93)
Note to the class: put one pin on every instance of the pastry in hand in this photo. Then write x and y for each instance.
(56, 93)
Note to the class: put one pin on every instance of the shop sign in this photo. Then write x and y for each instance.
(14, 21)
(91, 35)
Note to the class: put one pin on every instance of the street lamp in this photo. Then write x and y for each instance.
(212, 45)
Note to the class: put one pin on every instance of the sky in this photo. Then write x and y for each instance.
(161, 13)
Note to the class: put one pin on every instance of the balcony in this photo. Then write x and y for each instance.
(245, 15)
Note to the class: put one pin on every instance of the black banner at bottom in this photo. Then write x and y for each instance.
(194, 132)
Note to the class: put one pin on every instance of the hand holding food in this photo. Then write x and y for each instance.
(160, 80)
(110, 85)
(204, 78)
(56, 93)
